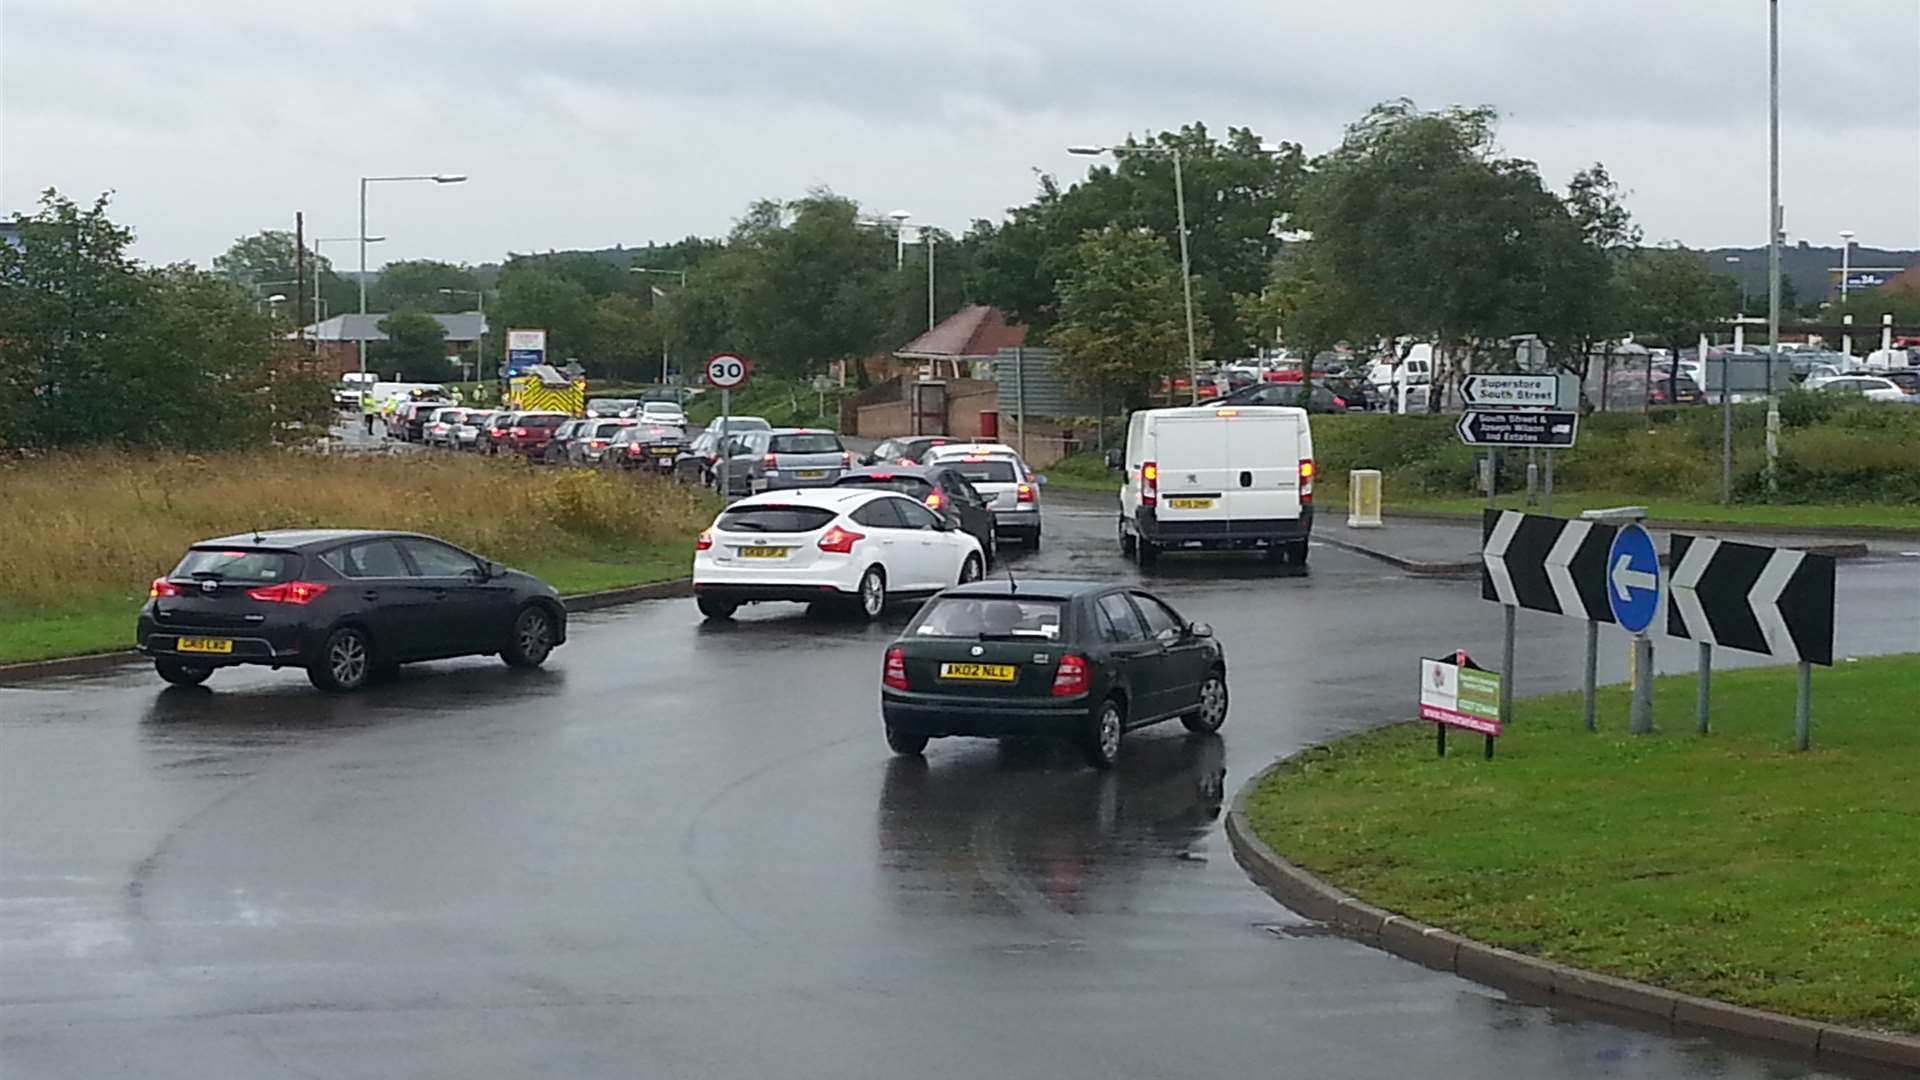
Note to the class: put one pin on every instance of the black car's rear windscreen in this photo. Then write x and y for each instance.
(239, 565)
(775, 519)
(981, 617)
(915, 486)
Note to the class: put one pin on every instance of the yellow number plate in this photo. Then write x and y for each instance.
(812, 474)
(203, 645)
(763, 553)
(1190, 504)
(978, 672)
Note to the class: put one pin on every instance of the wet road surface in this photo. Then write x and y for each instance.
(684, 851)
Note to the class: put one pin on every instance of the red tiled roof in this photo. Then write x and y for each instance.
(974, 331)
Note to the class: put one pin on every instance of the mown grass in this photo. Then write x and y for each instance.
(93, 529)
(783, 403)
(1725, 865)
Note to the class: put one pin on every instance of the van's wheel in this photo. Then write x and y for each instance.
(714, 607)
(1107, 729)
(1213, 705)
(905, 743)
(532, 638)
(1299, 553)
(872, 599)
(345, 662)
(179, 674)
(1145, 552)
(1128, 544)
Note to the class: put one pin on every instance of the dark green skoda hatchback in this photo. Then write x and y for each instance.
(1082, 661)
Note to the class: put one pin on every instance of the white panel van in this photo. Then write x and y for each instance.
(1218, 477)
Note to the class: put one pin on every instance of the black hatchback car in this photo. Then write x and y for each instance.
(1081, 661)
(945, 491)
(346, 605)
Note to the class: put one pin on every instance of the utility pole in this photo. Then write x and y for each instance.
(1774, 223)
(300, 274)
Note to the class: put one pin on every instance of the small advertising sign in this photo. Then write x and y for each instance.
(1455, 693)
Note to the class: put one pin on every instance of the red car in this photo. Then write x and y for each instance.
(532, 431)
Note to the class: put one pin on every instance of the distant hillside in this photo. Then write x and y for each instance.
(1803, 264)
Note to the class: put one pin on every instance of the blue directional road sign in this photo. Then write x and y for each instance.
(1633, 579)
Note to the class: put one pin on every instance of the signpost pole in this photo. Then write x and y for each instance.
(1640, 719)
(1593, 666)
(1548, 507)
(1506, 672)
(1802, 708)
(1701, 696)
(1533, 474)
(726, 410)
(1486, 476)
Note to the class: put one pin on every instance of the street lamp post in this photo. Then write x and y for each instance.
(1846, 261)
(1186, 261)
(1773, 239)
(480, 297)
(1734, 260)
(438, 178)
(682, 275)
(900, 238)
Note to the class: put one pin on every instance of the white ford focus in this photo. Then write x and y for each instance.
(852, 548)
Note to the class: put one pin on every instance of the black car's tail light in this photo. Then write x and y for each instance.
(895, 675)
(289, 592)
(161, 587)
(1071, 676)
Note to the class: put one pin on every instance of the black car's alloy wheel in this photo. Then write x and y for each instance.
(905, 743)
(532, 638)
(1213, 704)
(1103, 741)
(345, 661)
(179, 674)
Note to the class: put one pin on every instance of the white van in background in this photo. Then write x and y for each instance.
(1218, 477)
(1413, 374)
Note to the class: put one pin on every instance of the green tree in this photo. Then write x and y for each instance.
(1239, 198)
(810, 285)
(254, 261)
(1867, 306)
(415, 349)
(536, 296)
(1122, 325)
(1672, 298)
(415, 284)
(95, 348)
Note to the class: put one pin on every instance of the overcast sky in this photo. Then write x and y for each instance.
(585, 123)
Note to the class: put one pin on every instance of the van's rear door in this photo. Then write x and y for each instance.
(1263, 447)
(1190, 448)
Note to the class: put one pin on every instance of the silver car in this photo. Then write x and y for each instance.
(1003, 480)
(784, 458)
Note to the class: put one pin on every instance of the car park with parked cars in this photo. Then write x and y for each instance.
(834, 549)
(943, 489)
(1870, 387)
(1011, 489)
(1083, 662)
(346, 605)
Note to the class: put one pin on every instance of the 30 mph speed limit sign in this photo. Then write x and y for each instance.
(727, 371)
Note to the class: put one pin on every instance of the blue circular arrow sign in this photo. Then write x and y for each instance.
(1633, 579)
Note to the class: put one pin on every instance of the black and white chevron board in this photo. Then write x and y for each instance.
(1546, 564)
(1773, 601)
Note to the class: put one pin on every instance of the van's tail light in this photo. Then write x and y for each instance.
(1306, 480)
(1025, 492)
(1149, 484)
(705, 541)
(840, 541)
(161, 587)
(895, 675)
(770, 463)
(1070, 678)
(289, 592)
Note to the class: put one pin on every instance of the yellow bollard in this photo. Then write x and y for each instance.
(1363, 498)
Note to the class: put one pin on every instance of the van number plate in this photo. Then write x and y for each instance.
(1190, 504)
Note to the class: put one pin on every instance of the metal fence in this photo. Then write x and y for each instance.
(1032, 384)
